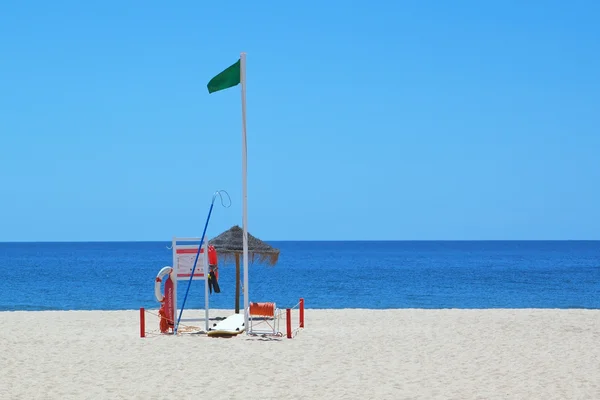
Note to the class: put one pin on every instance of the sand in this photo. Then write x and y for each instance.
(340, 354)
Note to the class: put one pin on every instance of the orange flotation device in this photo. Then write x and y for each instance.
(213, 261)
(164, 324)
(167, 319)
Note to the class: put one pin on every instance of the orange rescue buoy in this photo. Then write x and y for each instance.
(212, 260)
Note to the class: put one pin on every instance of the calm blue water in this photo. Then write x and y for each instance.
(113, 276)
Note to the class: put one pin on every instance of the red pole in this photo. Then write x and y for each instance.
(301, 313)
(288, 321)
(142, 322)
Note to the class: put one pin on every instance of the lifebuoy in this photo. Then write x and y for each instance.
(161, 274)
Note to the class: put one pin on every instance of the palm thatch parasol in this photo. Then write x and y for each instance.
(230, 246)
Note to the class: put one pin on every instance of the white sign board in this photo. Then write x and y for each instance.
(185, 256)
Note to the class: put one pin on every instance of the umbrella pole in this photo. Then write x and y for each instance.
(237, 283)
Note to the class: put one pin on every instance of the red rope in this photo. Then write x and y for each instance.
(262, 309)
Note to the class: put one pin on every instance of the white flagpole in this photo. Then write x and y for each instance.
(244, 186)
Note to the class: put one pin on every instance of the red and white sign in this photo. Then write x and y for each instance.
(186, 255)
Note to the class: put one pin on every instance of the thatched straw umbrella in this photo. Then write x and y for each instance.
(230, 246)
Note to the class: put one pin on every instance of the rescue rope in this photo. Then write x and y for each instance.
(262, 309)
(189, 328)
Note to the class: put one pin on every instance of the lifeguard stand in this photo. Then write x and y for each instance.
(184, 255)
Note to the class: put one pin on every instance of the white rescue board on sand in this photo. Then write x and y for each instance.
(230, 326)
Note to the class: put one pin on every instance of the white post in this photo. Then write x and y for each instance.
(205, 272)
(174, 277)
(244, 185)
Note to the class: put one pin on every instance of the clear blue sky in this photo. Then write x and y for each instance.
(366, 120)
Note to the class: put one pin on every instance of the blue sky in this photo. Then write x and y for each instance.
(366, 120)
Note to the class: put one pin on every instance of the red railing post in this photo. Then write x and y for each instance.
(288, 321)
(301, 313)
(142, 322)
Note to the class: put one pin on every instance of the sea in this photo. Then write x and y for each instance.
(326, 274)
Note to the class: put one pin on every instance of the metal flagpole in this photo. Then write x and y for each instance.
(244, 186)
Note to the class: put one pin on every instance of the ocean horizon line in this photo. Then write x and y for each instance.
(308, 241)
(345, 308)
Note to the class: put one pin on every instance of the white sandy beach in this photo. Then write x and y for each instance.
(341, 354)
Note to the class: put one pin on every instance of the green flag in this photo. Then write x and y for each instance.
(229, 77)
